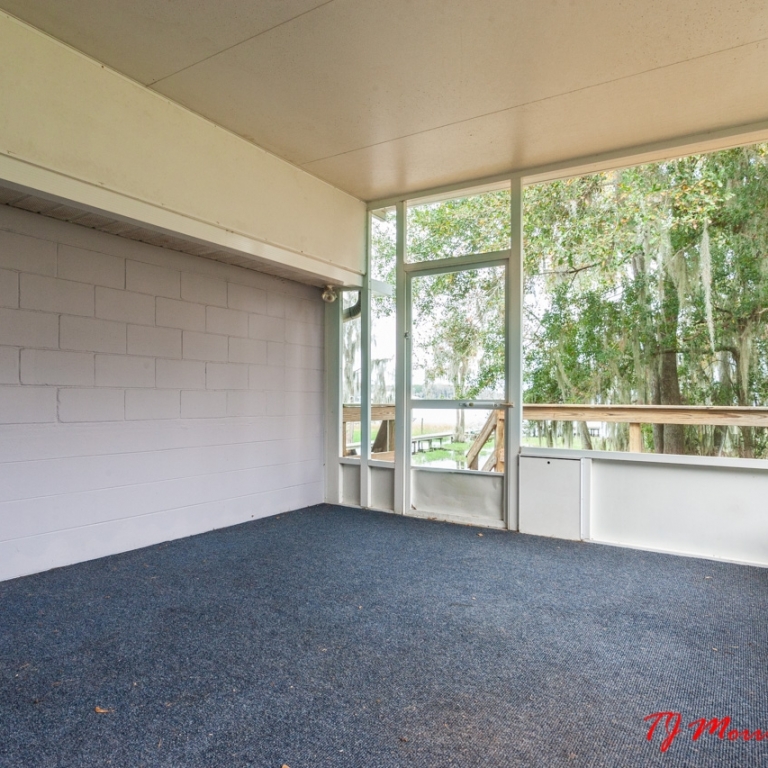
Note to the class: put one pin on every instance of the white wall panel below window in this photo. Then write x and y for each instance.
(445, 494)
(550, 497)
(383, 488)
(350, 484)
(706, 511)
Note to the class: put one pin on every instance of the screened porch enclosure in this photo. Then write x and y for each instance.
(530, 355)
(335, 336)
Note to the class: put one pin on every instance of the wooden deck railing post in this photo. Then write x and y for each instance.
(635, 437)
(473, 454)
(500, 433)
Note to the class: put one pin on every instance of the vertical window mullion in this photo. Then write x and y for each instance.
(514, 352)
(402, 391)
(365, 377)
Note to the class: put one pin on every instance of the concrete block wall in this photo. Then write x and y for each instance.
(146, 395)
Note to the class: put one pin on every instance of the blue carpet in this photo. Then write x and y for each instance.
(340, 638)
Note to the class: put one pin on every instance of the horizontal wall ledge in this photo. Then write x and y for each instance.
(155, 225)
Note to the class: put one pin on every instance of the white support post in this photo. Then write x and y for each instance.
(333, 398)
(514, 353)
(402, 390)
(365, 376)
(585, 498)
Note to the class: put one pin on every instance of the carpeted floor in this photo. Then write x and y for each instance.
(331, 637)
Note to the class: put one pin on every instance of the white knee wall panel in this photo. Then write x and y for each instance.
(718, 512)
(550, 497)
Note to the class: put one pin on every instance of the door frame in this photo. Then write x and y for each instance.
(428, 269)
(512, 261)
(360, 468)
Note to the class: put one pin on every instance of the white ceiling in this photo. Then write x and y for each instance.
(383, 98)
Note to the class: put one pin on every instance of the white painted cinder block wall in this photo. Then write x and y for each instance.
(146, 395)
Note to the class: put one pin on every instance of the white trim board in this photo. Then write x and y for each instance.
(647, 458)
(51, 185)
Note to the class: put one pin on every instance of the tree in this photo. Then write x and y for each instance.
(642, 285)
(458, 317)
(649, 285)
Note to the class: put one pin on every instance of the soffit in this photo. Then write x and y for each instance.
(383, 98)
(132, 231)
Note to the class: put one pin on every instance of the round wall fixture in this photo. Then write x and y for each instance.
(329, 294)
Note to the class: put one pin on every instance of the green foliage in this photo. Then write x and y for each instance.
(454, 452)
(668, 261)
(458, 227)
(643, 285)
(458, 317)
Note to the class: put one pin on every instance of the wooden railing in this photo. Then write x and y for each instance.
(384, 443)
(495, 423)
(634, 415)
(637, 415)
